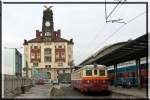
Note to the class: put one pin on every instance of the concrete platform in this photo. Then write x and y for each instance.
(38, 91)
(139, 93)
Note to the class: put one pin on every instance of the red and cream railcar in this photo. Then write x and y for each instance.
(90, 78)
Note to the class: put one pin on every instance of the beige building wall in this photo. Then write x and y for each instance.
(54, 65)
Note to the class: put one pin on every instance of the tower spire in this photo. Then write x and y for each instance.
(47, 24)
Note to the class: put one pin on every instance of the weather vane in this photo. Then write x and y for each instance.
(48, 7)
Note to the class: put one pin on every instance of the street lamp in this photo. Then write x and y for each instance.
(13, 56)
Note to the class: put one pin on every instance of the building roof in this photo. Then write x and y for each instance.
(133, 49)
(47, 39)
(103, 51)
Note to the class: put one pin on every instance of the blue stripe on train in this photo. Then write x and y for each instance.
(122, 80)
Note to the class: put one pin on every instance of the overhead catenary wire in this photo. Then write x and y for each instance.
(105, 12)
(113, 10)
(116, 11)
(117, 30)
(105, 23)
(90, 43)
(110, 35)
(113, 13)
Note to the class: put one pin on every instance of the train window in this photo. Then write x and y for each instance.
(133, 74)
(101, 72)
(120, 75)
(88, 72)
(95, 72)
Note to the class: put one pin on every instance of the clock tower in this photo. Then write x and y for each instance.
(48, 55)
(47, 24)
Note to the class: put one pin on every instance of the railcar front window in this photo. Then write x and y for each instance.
(88, 72)
(101, 72)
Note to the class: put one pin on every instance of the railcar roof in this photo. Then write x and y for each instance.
(90, 67)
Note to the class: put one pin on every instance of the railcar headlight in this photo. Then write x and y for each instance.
(88, 81)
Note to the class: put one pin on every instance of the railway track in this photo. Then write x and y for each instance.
(70, 92)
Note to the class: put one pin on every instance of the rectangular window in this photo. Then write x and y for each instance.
(133, 74)
(35, 64)
(119, 74)
(88, 72)
(47, 55)
(57, 71)
(57, 56)
(35, 47)
(47, 52)
(95, 72)
(101, 72)
(62, 56)
(59, 46)
(47, 59)
(47, 66)
(32, 55)
(38, 55)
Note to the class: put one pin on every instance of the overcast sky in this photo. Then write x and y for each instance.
(85, 23)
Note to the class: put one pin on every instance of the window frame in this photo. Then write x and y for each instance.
(90, 72)
(100, 72)
(96, 72)
(47, 55)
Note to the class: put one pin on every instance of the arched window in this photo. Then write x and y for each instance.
(49, 75)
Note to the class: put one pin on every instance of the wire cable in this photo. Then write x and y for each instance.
(113, 9)
(116, 11)
(96, 36)
(105, 12)
(105, 23)
(117, 30)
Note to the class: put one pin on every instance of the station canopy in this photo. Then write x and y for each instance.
(121, 52)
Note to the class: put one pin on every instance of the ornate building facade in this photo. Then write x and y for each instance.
(48, 53)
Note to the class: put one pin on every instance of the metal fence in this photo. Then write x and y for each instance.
(12, 84)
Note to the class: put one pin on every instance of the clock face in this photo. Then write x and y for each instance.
(47, 23)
